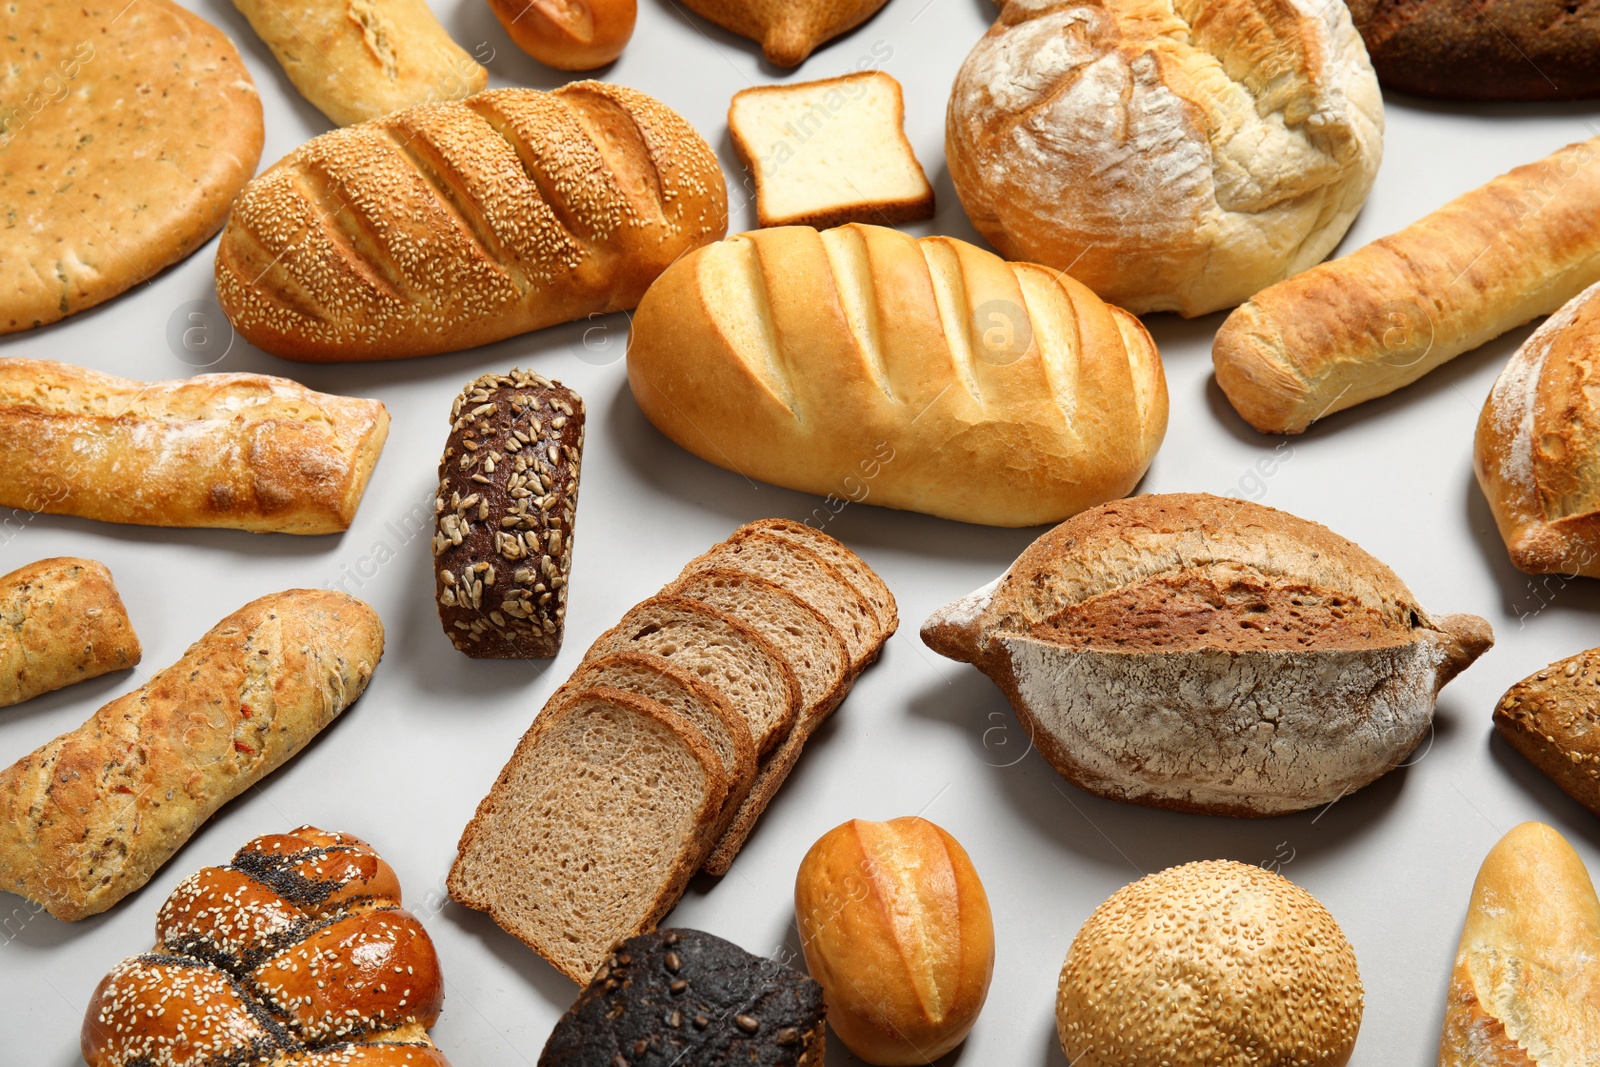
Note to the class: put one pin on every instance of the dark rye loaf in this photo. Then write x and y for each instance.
(1484, 49)
(684, 998)
(503, 517)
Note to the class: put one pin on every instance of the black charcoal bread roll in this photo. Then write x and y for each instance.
(690, 999)
(508, 490)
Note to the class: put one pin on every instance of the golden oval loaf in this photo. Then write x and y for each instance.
(1174, 155)
(61, 621)
(787, 30)
(1538, 443)
(87, 818)
(1212, 964)
(926, 375)
(236, 451)
(896, 926)
(569, 34)
(1207, 654)
(451, 225)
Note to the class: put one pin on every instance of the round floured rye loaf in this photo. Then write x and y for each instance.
(1218, 963)
(1204, 654)
(1174, 155)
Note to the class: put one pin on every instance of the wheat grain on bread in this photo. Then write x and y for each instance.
(607, 782)
(87, 818)
(61, 621)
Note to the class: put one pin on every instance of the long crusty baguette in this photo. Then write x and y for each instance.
(358, 60)
(1525, 991)
(450, 225)
(88, 818)
(61, 621)
(242, 451)
(1368, 323)
(927, 375)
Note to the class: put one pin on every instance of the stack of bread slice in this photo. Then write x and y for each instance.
(657, 756)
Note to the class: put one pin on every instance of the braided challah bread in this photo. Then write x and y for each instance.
(928, 375)
(445, 226)
(297, 954)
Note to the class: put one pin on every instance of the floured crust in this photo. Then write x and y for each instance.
(1206, 654)
(237, 451)
(1525, 990)
(1537, 454)
(126, 129)
(1171, 156)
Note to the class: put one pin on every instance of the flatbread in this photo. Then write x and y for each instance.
(126, 129)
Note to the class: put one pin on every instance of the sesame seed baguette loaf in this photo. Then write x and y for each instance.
(928, 375)
(238, 451)
(508, 494)
(87, 818)
(1206, 654)
(61, 621)
(694, 699)
(806, 575)
(357, 60)
(1368, 323)
(1538, 440)
(593, 829)
(1525, 991)
(745, 667)
(450, 225)
(1550, 718)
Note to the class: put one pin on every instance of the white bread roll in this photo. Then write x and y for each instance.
(1525, 991)
(1174, 155)
(927, 375)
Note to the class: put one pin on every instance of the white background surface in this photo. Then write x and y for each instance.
(406, 765)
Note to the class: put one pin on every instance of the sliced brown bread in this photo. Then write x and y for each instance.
(745, 667)
(809, 577)
(657, 678)
(607, 783)
(861, 577)
(808, 642)
(774, 772)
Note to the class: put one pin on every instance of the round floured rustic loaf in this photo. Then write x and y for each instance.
(1173, 156)
(1205, 654)
(1538, 443)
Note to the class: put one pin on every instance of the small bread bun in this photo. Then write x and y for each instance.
(1218, 964)
(569, 34)
(896, 927)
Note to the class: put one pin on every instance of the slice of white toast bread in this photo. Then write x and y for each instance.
(828, 152)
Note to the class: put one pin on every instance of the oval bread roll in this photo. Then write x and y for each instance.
(927, 375)
(451, 225)
(1538, 441)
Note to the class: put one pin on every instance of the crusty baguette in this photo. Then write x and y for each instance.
(450, 225)
(563, 854)
(361, 59)
(89, 817)
(1538, 443)
(242, 451)
(503, 515)
(928, 375)
(61, 621)
(1525, 991)
(1210, 655)
(1366, 324)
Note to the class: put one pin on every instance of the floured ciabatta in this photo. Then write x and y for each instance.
(1173, 155)
(1205, 654)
